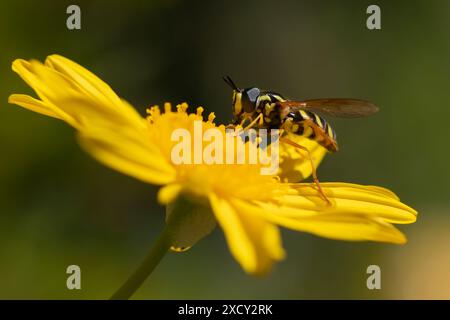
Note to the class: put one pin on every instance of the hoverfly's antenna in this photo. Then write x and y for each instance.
(230, 82)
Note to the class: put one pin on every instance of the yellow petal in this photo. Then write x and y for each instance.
(66, 93)
(110, 129)
(129, 153)
(92, 86)
(345, 227)
(349, 199)
(339, 226)
(253, 242)
(169, 193)
(46, 82)
(32, 104)
(85, 79)
(376, 189)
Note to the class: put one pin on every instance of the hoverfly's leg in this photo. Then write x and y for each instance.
(313, 167)
(250, 125)
(243, 121)
(259, 118)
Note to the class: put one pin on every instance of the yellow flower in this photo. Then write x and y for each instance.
(248, 206)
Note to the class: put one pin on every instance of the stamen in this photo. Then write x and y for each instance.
(211, 117)
(153, 112)
(181, 108)
(167, 107)
(200, 111)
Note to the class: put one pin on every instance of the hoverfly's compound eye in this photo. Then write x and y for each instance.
(249, 97)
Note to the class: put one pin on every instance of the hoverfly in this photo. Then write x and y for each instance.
(262, 109)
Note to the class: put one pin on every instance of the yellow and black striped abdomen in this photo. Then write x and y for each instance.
(312, 126)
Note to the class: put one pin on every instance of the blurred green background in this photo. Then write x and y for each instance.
(59, 207)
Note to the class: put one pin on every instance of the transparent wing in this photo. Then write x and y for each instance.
(343, 108)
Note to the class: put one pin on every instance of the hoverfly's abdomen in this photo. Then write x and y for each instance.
(312, 126)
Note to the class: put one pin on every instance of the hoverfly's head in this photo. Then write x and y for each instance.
(244, 100)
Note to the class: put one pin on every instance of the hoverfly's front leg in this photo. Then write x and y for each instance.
(259, 119)
(313, 167)
(235, 124)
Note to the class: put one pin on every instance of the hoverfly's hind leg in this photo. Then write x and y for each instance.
(313, 167)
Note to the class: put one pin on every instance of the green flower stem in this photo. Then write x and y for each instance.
(187, 221)
(157, 252)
